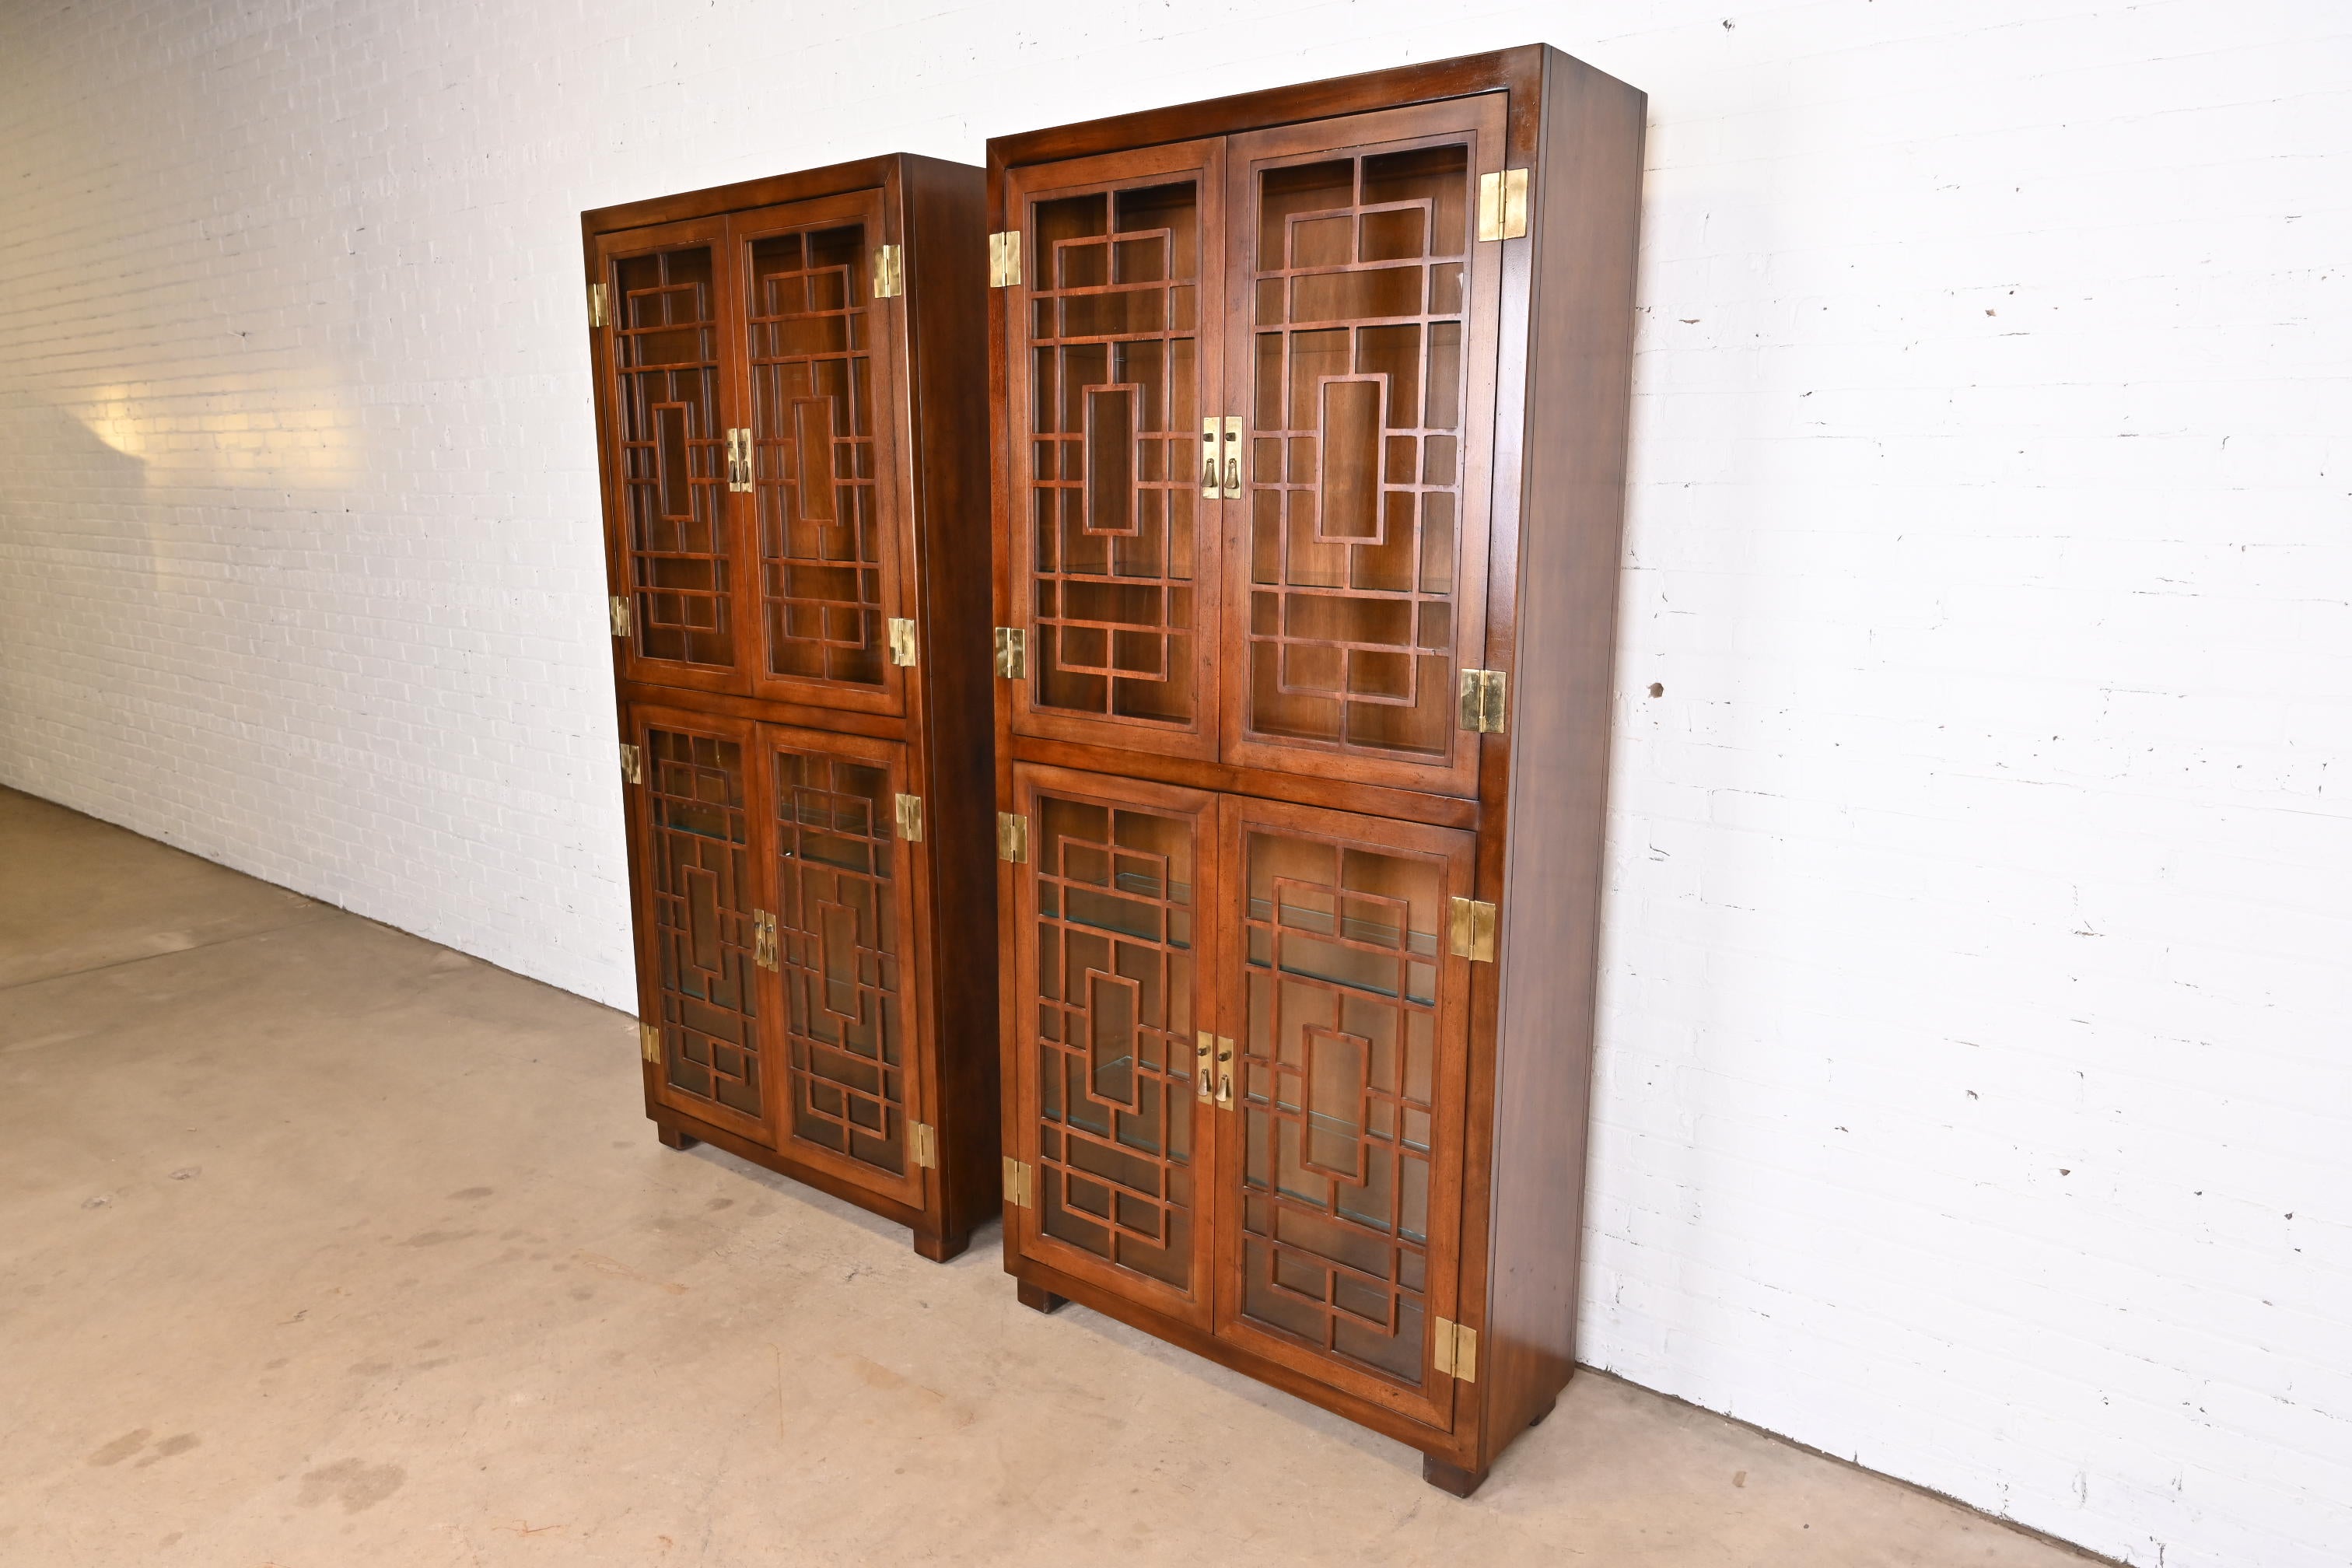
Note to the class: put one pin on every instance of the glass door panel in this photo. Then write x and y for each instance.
(1115, 539)
(845, 950)
(830, 509)
(1112, 985)
(696, 970)
(667, 412)
(1364, 357)
(1342, 1186)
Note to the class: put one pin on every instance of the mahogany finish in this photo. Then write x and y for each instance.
(1282, 447)
(792, 462)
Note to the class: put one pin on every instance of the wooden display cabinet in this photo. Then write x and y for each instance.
(787, 372)
(1310, 451)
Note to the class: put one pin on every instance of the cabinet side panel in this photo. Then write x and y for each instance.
(1588, 184)
(947, 283)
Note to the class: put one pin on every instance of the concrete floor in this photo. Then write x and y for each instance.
(320, 1245)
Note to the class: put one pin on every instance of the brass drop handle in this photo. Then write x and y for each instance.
(1225, 1073)
(1221, 434)
(1204, 1051)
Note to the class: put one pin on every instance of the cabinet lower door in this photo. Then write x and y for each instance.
(1112, 991)
(1340, 1192)
(699, 847)
(844, 837)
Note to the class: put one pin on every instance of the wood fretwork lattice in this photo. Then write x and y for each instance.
(1338, 1098)
(838, 927)
(1114, 488)
(813, 463)
(1114, 1048)
(672, 468)
(701, 896)
(1361, 287)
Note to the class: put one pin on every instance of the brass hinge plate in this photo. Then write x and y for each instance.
(597, 315)
(633, 769)
(910, 818)
(649, 1042)
(1011, 653)
(1472, 928)
(1455, 1352)
(1004, 258)
(902, 641)
(923, 1145)
(1503, 205)
(889, 274)
(1485, 701)
(763, 938)
(1020, 1183)
(1011, 837)
(620, 613)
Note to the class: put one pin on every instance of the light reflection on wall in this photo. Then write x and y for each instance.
(230, 433)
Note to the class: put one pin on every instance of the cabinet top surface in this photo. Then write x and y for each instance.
(1516, 69)
(882, 170)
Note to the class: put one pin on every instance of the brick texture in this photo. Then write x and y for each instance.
(1973, 1095)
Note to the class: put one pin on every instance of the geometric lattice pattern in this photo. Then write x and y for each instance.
(1114, 367)
(1114, 1037)
(1355, 484)
(837, 938)
(672, 469)
(813, 463)
(1338, 1097)
(701, 885)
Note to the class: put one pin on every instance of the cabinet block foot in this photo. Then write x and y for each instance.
(1543, 1415)
(1451, 1478)
(1037, 1299)
(672, 1139)
(939, 1248)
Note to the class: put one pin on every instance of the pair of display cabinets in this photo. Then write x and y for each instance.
(1309, 413)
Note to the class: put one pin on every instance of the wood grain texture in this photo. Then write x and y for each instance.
(929, 722)
(1579, 366)
(1551, 317)
(947, 251)
(1516, 70)
(1306, 788)
(773, 190)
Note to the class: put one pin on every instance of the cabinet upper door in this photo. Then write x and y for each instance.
(1339, 1191)
(669, 404)
(1360, 356)
(699, 846)
(848, 1057)
(829, 505)
(1112, 997)
(1112, 344)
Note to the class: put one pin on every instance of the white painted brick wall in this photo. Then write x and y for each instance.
(1974, 1099)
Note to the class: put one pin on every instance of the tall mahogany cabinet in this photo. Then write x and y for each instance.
(1310, 451)
(788, 376)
